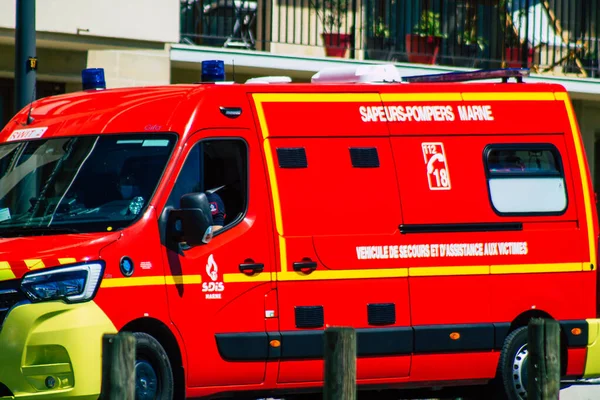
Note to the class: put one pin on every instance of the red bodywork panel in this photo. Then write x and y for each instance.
(348, 220)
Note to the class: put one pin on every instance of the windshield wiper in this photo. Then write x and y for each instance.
(35, 230)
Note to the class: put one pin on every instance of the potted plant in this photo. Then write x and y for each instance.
(332, 14)
(423, 44)
(513, 52)
(377, 40)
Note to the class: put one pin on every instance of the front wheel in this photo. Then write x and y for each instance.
(513, 364)
(153, 374)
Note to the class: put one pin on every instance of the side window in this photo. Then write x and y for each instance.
(219, 168)
(525, 179)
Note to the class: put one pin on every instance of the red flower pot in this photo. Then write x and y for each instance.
(514, 57)
(336, 44)
(422, 49)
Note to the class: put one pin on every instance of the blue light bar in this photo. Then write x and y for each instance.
(93, 78)
(504, 74)
(213, 70)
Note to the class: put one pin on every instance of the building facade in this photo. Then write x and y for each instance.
(148, 42)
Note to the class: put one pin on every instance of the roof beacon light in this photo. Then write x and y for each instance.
(386, 73)
(213, 71)
(93, 79)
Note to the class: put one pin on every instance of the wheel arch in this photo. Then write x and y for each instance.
(168, 341)
(523, 320)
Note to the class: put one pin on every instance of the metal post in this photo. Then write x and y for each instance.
(25, 57)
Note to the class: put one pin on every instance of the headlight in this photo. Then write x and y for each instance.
(72, 284)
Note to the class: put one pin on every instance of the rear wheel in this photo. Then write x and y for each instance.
(513, 365)
(153, 375)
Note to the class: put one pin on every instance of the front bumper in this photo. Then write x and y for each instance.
(54, 340)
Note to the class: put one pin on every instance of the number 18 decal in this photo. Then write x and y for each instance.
(437, 167)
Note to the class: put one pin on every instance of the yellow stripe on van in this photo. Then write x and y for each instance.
(445, 271)
(584, 178)
(260, 98)
(344, 274)
(151, 281)
(183, 279)
(348, 274)
(512, 96)
(34, 264)
(239, 277)
(5, 271)
(389, 97)
(274, 187)
(133, 281)
(273, 183)
(536, 268)
(66, 260)
(430, 272)
(283, 253)
(262, 120)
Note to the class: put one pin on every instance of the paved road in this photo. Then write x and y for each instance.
(575, 392)
(581, 392)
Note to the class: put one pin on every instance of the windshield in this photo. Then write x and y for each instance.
(79, 184)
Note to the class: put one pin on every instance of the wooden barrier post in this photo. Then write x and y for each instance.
(118, 367)
(543, 359)
(340, 364)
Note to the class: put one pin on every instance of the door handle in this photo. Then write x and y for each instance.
(250, 267)
(306, 266)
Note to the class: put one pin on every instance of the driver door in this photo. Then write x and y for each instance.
(219, 310)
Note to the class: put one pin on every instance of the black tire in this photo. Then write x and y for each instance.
(154, 377)
(512, 367)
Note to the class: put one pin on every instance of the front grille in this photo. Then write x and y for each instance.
(10, 294)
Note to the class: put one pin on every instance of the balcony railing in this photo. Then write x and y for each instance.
(559, 37)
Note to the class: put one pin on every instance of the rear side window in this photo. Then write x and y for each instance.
(525, 179)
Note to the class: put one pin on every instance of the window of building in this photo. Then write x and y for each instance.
(219, 168)
(525, 179)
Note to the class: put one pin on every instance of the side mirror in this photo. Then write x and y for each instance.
(195, 220)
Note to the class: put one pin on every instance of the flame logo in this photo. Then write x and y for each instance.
(211, 268)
